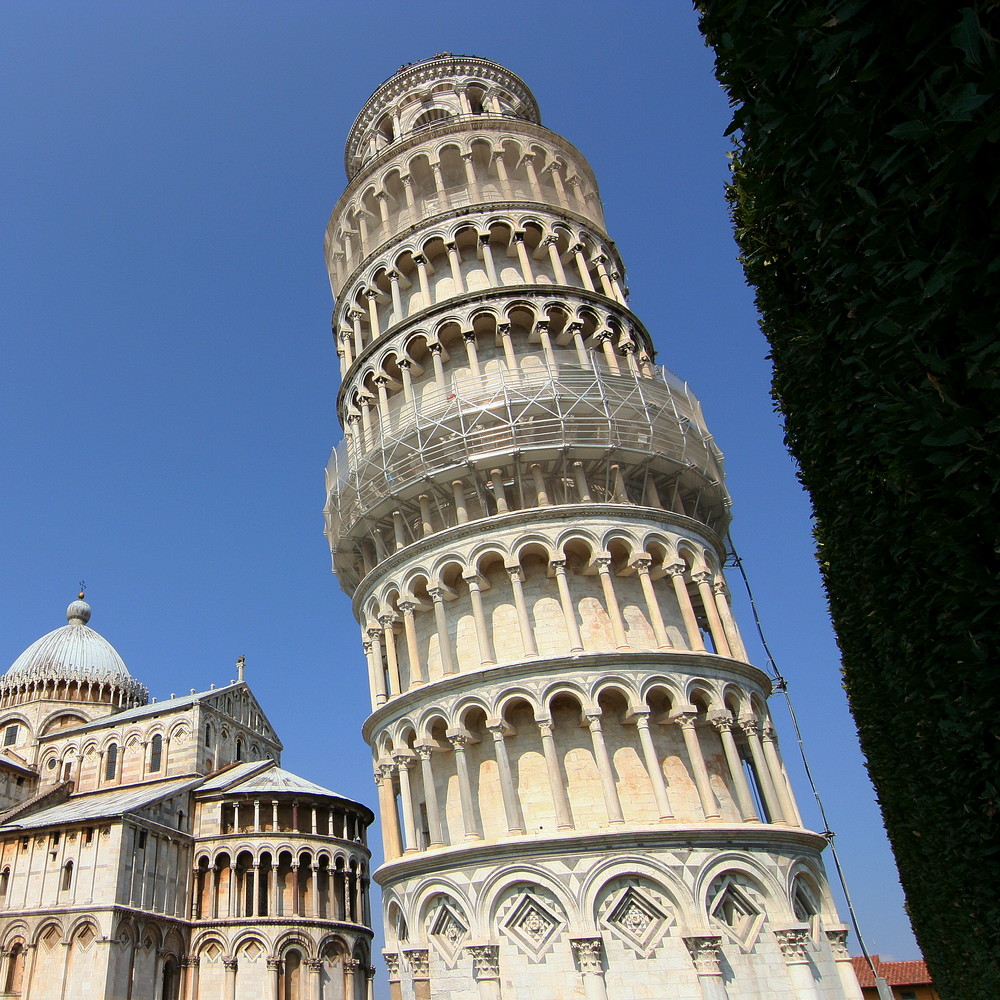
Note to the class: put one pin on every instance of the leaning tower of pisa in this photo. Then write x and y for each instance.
(580, 790)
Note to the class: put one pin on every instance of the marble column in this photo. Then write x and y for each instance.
(459, 742)
(769, 741)
(441, 623)
(611, 600)
(704, 951)
(587, 952)
(837, 936)
(486, 969)
(556, 784)
(391, 959)
(793, 942)
(604, 769)
(642, 568)
(424, 752)
(744, 799)
(688, 723)
(507, 791)
(676, 574)
(653, 768)
(771, 801)
(412, 650)
(387, 810)
(569, 613)
(231, 966)
(404, 762)
(520, 605)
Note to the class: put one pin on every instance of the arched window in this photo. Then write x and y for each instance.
(111, 762)
(15, 969)
(10, 735)
(156, 753)
(67, 877)
(239, 749)
(208, 734)
(431, 116)
(292, 977)
(4, 882)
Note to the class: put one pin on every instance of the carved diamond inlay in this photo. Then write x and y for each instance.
(638, 919)
(448, 931)
(532, 925)
(738, 916)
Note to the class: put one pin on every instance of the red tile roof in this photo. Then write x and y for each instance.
(896, 973)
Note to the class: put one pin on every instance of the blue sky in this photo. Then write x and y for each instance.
(169, 380)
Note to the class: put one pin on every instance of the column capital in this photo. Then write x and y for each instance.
(190, 961)
(372, 293)
(768, 735)
(351, 965)
(423, 750)
(703, 576)
(315, 965)
(642, 565)
(722, 722)
(593, 721)
(545, 726)
(274, 964)
(503, 329)
(460, 741)
(391, 959)
(419, 258)
(403, 761)
(838, 943)
(793, 941)
(749, 727)
(558, 564)
(418, 959)
(387, 621)
(485, 961)
(407, 607)
(587, 952)
(686, 720)
(675, 569)
(230, 963)
(435, 348)
(551, 240)
(375, 634)
(404, 363)
(499, 730)
(704, 951)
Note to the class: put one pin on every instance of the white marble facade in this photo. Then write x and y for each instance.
(158, 850)
(580, 789)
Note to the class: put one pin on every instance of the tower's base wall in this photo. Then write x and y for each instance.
(706, 912)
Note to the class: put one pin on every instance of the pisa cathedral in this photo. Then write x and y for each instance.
(158, 851)
(579, 786)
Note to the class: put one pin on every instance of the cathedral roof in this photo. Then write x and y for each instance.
(74, 652)
(102, 805)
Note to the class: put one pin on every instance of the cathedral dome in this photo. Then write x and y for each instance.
(72, 653)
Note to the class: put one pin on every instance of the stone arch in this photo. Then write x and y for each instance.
(522, 896)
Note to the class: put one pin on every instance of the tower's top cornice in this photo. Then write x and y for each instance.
(421, 93)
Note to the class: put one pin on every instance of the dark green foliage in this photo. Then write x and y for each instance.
(865, 194)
